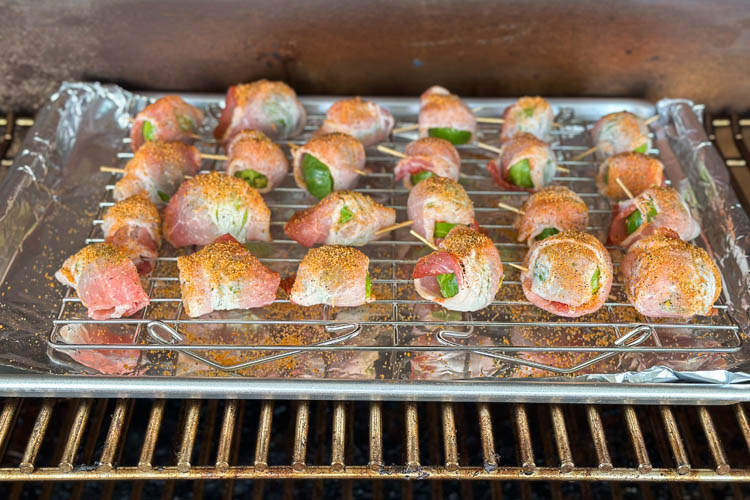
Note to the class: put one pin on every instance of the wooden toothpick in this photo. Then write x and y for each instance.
(510, 208)
(520, 268)
(585, 153)
(210, 156)
(482, 119)
(423, 239)
(624, 188)
(388, 229)
(651, 120)
(405, 128)
(392, 152)
(488, 147)
(116, 170)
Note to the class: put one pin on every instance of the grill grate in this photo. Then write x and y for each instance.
(616, 330)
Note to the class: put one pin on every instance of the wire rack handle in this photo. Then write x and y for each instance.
(350, 330)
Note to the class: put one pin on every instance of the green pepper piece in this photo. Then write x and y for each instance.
(642, 148)
(317, 176)
(164, 196)
(651, 211)
(520, 174)
(448, 284)
(148, 130)
(529, 112)
(346, 215)
(420, 176)
(548, 231)
(368, 287)
(595, 281)
(452, 135)
(633, 221)
(185, 123)
(255, 179)
(442, 229)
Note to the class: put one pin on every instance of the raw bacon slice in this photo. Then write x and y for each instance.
(332, 275)
(341, 218)
(568, 274)
(476, 264)
(438, 199)
(105, 361)
(251, 152)
(636, 170)
(366, 121)
(532, 115)
(666, 277)
(341, 154)
(528, 153)
(429, 154)
(106, 281)
(620, 133)
(224, 275)
(211, 205)
(554, 207)
(168, 119)
(134, 225)
(663, 207)
(441, 109)
(271, 107)
(158, 168)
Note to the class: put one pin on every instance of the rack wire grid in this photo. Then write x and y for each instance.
(400, 335)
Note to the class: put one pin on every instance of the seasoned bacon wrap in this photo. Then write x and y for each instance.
(224, 275)
(366, 121)
(438, 199)
(636, 170)
(554, 207)
(271, 107)
(105, 361)
(428, 154)
(157, 169)
(569, 274)
(168, 119)
(212, 205)
(439, 109)
(106, 281)
(342, 154)
(251, 153)
(134, 225)
(666, 277)
(532, 115)
(474, 261)
(620, 133)
(341, 218)
(659, 207)
(526, 152)
(332, 275)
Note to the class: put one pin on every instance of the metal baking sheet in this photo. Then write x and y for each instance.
(51, 200)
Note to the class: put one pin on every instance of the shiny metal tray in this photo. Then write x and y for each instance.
(394, 348)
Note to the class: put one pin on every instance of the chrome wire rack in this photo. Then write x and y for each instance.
(518, 339)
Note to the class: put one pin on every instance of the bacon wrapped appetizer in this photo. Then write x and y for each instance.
(257, 160)
(436, 205)
(525, 164)
(427, 157)
(666, 277)
(211, 205)
(332, 275)
(328, 163)
(224, 275)
(549, 211)
(464, 274)
(106, 281)
(157, 169)
(271, 107)
(134, 225)
(569, 274)
(531, 115)
(444, 115)
(341, 218)
(636, 170)
(366, 121)
(654, 208)
(168, 119)
(105, 361)
(620, 133)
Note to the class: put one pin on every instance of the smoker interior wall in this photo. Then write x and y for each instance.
(694, 49)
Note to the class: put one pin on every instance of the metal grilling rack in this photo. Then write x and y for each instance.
(388, 326)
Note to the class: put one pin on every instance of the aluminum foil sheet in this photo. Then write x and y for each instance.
(51, 196)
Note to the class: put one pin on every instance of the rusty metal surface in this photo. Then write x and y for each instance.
(555, 48)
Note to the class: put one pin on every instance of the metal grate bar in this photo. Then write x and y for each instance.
(675, 441)
(36, 436)
(188, 435)
(264, 436)
(112, 442)
(739, 412)
(636, 437)
(76, 433)
(714, 443)
(300, 435)
(450, 442)
(376, 437)
(412, 437)
(226, 435)
(561, 439)
(338, 437)
(524, 439)
(7, 418)
(487, 437)
(600, 440)
(152, 434)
